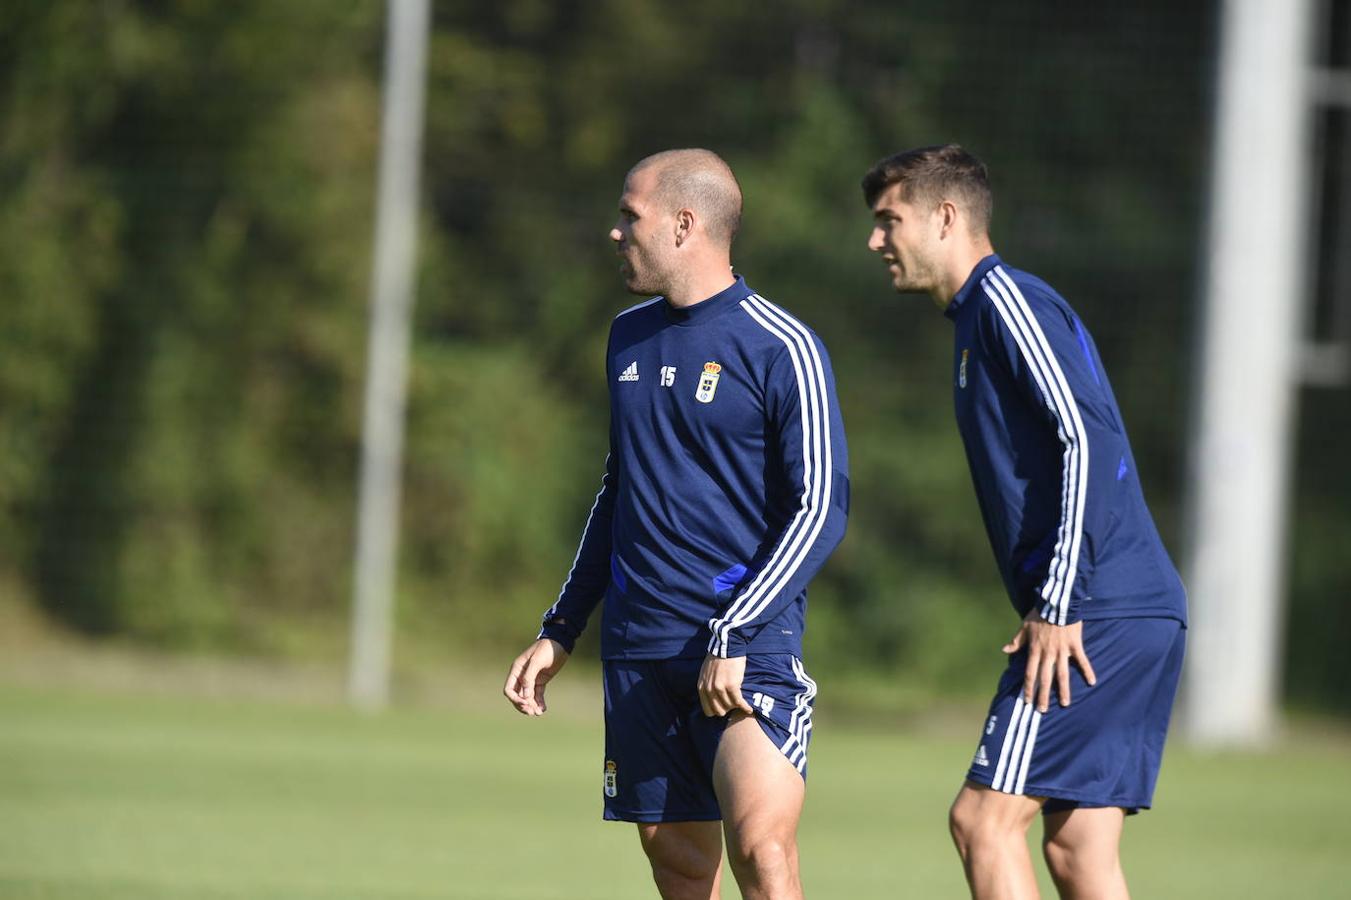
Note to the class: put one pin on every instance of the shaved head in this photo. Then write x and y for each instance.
(700, 181)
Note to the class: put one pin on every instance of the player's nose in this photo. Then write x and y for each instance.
(875, 240)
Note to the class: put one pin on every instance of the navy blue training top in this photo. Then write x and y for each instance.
(1053, 470)
(725, 490)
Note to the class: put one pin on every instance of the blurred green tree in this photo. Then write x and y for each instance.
(187, 214)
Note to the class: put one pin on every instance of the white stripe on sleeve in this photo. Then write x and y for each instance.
(582, 543)
(817, 461)
(1050, 378)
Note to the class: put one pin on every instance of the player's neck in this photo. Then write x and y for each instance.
(701, 283)
(962, 263)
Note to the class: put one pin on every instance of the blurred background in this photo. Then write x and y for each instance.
(187, 210)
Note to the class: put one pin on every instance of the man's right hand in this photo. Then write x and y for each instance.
(1050, 650)
(531, 671)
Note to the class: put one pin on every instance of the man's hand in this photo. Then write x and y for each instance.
(531, 671)
(720, 686)
(1049, 651)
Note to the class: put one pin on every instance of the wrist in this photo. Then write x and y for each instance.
(732, 646)
(559, 635)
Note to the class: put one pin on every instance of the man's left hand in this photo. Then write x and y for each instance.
(720, 686)
(1050, 649)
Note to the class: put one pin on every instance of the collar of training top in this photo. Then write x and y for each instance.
(972, 284)
(705, 310)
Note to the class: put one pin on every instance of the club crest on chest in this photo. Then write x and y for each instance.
(708, 382)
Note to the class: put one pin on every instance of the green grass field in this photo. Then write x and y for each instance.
(105, 794)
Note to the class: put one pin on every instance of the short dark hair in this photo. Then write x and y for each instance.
(930, 175)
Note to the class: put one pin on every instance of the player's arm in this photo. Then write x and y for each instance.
(1046, 353)
(801, 403)
(583, 589)
(590, 573)
(566, 619)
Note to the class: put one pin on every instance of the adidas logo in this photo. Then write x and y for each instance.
(631, 373)
(981, 759)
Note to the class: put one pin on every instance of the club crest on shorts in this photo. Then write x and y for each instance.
(611, 778)
(708, 383)
(961, 371)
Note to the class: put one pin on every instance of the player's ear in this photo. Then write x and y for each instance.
(948, 211)
(684, 225)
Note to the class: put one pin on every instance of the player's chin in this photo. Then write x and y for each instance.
(635, 285)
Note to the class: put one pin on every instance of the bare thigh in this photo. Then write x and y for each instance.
(758, 789)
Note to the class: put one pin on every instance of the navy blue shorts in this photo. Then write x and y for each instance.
(660, 747)
(1105, 748)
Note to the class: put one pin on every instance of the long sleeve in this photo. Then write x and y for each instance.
(1043, 347)
(802, 407)
(589, 576)
(590, 573)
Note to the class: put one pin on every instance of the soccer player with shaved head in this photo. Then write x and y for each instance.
(725, 490)
(1103, 610)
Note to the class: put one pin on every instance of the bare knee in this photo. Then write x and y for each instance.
(980, 819)
(683, 864)
(1082, 850)
(756, 859)
(961, 824)
(969, 825)
(1072, 861)
(1059, 856)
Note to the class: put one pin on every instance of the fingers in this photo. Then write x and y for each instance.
(1030, 673)
(718, 700)
(1016, 642)
(1045, 678)
(720, 687)
(525, 683)
(1062, 679)
(1050, 652)
(1045, 667)
(509, 689)
(705, 692)
(512, 689)
(1085, 666)
(1075, 652)
(540, 706)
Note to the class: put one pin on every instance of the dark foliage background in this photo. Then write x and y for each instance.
(186, 199)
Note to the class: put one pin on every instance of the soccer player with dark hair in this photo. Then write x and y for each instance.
(725, 490)
(1073, 540)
